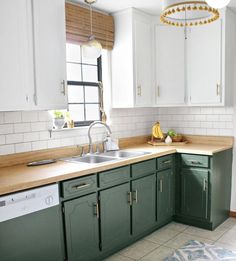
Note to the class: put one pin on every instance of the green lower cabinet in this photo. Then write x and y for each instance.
(81, 228)
(115, 217)
(165, 191)
(144, 204)
(194, 193)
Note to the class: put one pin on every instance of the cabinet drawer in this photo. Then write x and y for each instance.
(114, 177)
(142, 168)
(195, 160)
(164, 162)
(80, 186)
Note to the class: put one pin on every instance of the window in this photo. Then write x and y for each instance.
(83, 90)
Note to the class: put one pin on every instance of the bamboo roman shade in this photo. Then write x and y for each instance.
(78, 26)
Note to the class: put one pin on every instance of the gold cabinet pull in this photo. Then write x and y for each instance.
(204, 185)
(161, 186)
(63, 87)
(135, 196)
(166, 162)
(130, 200)
(81, 186)
(158, 91)
(139, 90)
(96, 210)
(195, 162)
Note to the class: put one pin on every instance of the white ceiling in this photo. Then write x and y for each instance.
(150, 6)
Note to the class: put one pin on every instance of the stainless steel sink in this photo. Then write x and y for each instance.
(124, 153)
(90, 159)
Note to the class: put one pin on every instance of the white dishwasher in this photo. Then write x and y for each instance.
(31, 226)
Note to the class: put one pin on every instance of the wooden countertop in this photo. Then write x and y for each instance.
(21, 177)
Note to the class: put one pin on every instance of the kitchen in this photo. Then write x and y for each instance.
(90, 201)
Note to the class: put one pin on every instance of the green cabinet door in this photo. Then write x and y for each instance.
(165, 191)
(81, 227)
(194, 193)
(144, 204)
(115, 217)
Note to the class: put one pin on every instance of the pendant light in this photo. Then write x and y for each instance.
(218, 3)
(188, 13)
(92, 49)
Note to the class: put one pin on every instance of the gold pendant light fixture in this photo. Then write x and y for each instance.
(186, 13)
(91, 49)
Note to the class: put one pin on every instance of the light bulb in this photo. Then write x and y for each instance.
(217, 3)
(92, 49)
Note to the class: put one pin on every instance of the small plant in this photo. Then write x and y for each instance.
(58, 114)
(171, 133)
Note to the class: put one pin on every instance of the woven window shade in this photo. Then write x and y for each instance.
(78, 26)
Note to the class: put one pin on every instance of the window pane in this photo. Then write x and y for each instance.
(75, 94)
(89, 61)
(73, 53)
(92, 112)
(73, 72)
(77, 112)
(90, 73)
(91, 94)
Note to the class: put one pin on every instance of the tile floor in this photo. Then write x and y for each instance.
(163, 242)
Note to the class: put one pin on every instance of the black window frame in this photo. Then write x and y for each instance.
(82, 83)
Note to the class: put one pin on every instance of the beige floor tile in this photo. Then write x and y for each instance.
(227, 246)
(176, 226)
(162, 235)
(199, 232)
(118, 257)
(229, 238)
(139, 249)
(229, 223)
(158, 254)
(183, 238)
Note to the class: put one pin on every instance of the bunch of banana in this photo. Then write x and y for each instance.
(157, 132)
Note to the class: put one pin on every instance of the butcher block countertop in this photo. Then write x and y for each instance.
(21, 177)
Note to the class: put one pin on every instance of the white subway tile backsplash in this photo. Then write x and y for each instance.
(213, 132)
(14, 138)
(23, 147)
(2, 139)
(44, 116)
(44, 135)
(31, 136)
(30, 116)
(7, 149)
(22, 127)
(1, 117)
(39, 145)
(39, 126)
(6, 128)
(12, 117)
(54, 143)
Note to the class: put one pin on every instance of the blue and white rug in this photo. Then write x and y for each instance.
(198, 251)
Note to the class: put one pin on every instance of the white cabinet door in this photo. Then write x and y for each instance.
(142, 63)
(204, 47)
(169, 65)
(16, 77)
(50, 53)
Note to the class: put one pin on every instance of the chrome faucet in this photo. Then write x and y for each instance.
(89, 134)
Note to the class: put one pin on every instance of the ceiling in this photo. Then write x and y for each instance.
(149, 6)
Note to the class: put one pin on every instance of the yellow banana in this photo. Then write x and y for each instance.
(157, 132)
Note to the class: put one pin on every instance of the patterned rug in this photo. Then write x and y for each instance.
(198, 251)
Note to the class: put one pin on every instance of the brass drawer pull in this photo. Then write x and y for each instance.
(204, 185)
(96, 210)
(130, 200)
(161, 186)
(166, 162)
(195, 162)
(82, 185)
(135, 196)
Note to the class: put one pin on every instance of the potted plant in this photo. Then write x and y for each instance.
(174, 136)
(59, 119)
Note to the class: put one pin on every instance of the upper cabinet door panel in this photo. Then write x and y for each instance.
(142, 61)
(50, 53)
(169, 65)
(204, 49)
(16, 82)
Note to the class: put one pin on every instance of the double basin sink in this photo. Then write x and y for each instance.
(106, 156)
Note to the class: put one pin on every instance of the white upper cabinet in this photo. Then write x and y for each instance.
(132, 82)
(169, 66)
(32, 51)
(204, 63)
(16, 78)
(50, 53)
